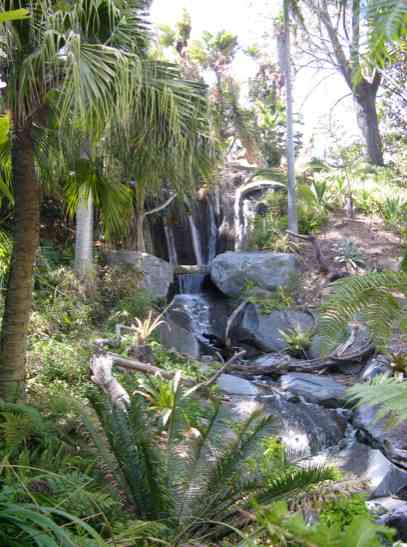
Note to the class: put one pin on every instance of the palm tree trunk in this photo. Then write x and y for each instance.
(19, 293)
(84, 238)
(291, 186)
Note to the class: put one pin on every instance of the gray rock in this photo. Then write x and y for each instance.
(397, 518)
(376, 365)
(392, 441)
(157, 274)
(265, 331)
(314, 388)
(305, 429)
(234, 385)
(380, 476)
(267, 270)
(173, 336)
(194, 322)
(268, 361)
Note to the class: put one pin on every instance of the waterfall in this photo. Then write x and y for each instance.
(243, 211)
(196, 241)
(172, 251)
(213, 233)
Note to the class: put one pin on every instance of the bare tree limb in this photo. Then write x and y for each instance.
(161, 207)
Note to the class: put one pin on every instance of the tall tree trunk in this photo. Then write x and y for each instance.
(365, 102)
(291, 186)
(19, 292)
(84, 238)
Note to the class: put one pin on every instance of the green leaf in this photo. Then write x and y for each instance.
(14, 15)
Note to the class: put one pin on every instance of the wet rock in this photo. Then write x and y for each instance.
(379, 475)
(267, 270)
(234, 385)
(391, 512)
(376, 365)
(314, 388)
(265, 331)
(391, 440)
(194, 324)
(305, 429)
(156, 274)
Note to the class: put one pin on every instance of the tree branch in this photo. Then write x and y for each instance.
(161, 207)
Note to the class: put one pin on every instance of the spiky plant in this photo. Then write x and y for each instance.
(190, 480)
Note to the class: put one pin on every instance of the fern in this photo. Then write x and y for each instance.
(375, 297)
(389, 394)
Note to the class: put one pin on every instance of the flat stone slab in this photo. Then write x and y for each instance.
(315, 388)
(234, 385)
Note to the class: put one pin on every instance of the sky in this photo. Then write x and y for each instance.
(314, 102)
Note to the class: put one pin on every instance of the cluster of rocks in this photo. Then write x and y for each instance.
(310, 411)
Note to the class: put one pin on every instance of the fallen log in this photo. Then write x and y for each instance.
(102, 363)
(313, 366)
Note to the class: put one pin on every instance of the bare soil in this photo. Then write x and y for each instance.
(379, 246)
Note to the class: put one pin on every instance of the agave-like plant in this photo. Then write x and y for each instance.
(192, 485)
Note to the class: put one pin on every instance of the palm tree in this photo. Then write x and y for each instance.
(53, 58)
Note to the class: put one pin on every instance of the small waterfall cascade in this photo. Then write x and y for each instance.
(196, 241)
(191, 283)
(170, 239)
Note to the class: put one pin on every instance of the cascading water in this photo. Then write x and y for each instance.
(170, 239)
(196, 241)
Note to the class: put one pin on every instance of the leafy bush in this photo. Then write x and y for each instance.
(341, 511)
(279, 528)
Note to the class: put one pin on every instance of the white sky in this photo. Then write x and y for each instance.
(241, 17)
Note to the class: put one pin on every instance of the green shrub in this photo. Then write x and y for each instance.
(341, 511)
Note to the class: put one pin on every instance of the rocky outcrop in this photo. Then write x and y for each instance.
(156, 275)
(231, 271)
(391, 440)
(265, 331)
(314, 388)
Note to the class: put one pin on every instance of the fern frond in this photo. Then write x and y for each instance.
(389, 395)
(374, 296)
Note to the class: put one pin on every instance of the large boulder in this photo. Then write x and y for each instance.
(379, 476)
(231, 270)
(314, 388)
(304, 428)
(156, 274)
(265, 331)
(391, 440)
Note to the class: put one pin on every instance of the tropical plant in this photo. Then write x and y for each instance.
(47, 97)
(348, 254)
(298, 341)
(190, 480)
(277, 526)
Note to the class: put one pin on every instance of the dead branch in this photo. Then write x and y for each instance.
(161, 207)
(231, 320)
